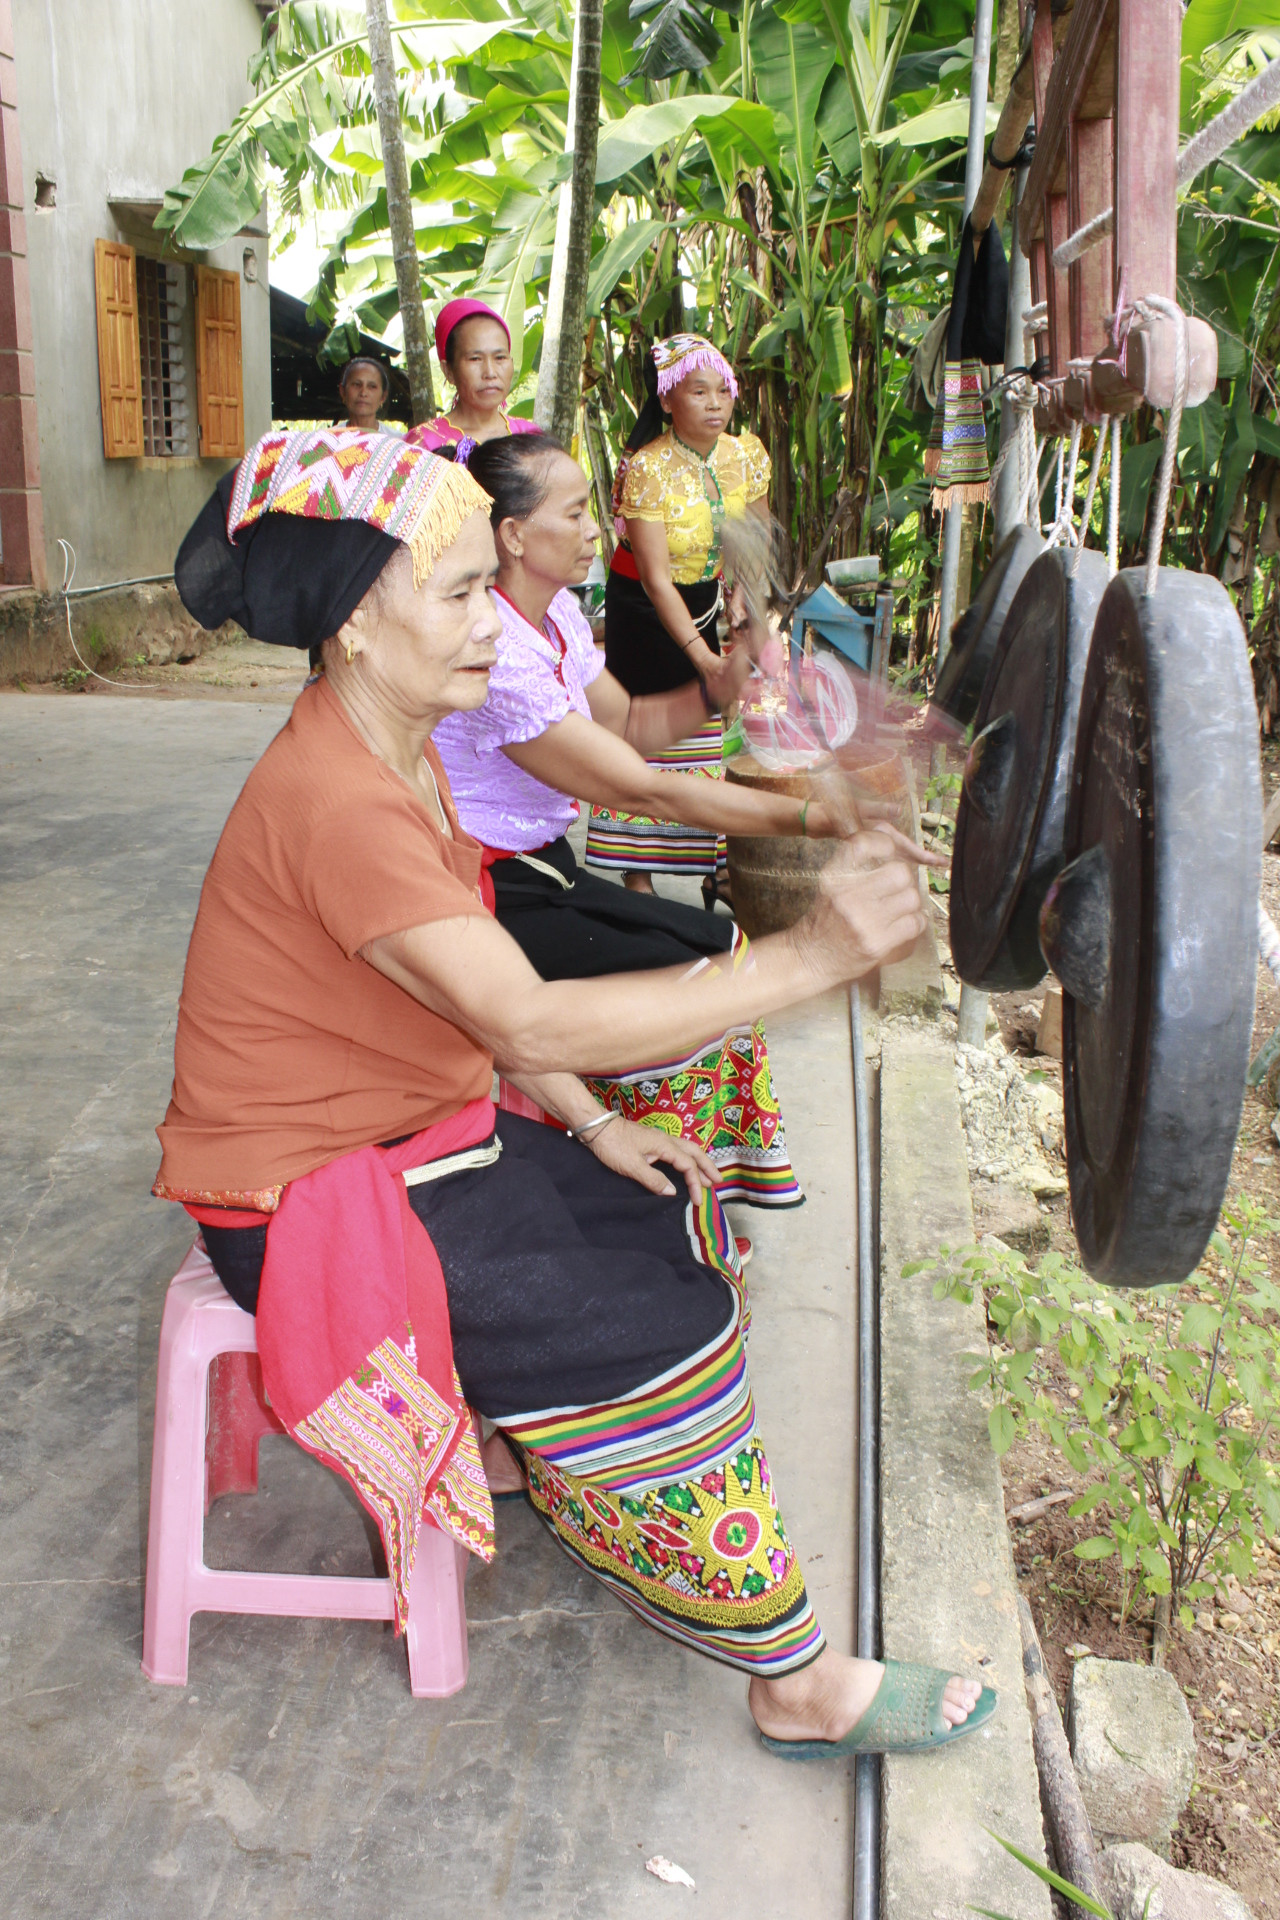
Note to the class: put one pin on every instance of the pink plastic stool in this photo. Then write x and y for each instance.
(210, 1415)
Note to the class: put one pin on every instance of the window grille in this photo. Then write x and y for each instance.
(162, 296)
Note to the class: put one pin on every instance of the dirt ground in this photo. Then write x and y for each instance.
(1228, 1665)
(240, 669)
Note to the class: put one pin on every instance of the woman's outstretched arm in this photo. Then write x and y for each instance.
(868, 912)
(587, 761)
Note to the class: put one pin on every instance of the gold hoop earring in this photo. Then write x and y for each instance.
(351, 652)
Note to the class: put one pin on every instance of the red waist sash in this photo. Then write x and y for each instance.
(353, 1335)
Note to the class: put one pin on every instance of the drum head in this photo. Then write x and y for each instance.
(1153, 925)
(977, 632)
(1012, 812)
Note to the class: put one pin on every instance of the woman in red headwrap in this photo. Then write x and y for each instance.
(474, 347)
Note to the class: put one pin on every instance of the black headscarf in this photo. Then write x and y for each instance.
(285, 579)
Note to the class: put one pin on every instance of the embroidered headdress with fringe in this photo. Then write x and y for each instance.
(682, 353)
(335, 474)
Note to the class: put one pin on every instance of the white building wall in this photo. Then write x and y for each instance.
(116, 99)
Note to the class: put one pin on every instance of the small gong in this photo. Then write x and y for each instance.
(1009, 826)
(1152, 924)
(977, 632)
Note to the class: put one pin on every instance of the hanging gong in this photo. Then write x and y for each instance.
(1013, 801)
(1152, 925)
(976, 633)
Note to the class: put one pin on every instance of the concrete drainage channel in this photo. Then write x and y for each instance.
(946, 1592)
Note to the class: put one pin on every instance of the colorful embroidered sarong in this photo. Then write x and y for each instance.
(721, 1097)
(577, 926)
(634, 842)
(666, 1496)
(566, 1284)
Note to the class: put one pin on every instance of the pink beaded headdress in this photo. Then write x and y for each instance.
(682, 353)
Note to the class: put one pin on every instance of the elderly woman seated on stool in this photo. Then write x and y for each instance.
(407, 1251)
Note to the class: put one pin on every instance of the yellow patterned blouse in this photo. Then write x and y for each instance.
(671, 485)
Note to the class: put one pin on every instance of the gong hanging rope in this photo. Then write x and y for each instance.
(1113, 503)
(1063, 531)
(1090, 490)
(1156, 303)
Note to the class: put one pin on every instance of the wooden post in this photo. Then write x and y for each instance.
(1148, 58)
(1091, 279)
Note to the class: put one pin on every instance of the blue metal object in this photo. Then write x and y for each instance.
(836, 622)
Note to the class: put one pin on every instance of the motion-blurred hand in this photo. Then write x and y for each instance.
(868, 911)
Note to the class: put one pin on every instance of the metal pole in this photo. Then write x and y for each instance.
(866, 1788)
(974, 161)
(973, 1005)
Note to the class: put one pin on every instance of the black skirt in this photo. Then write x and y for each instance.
(567, 1283)
(638, 650)
(595, 926)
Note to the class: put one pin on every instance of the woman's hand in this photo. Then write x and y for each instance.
(638, 1153)
(868, 910)
(762, 646)
(725, 674)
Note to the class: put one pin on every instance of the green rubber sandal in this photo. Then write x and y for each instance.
(904, 1717)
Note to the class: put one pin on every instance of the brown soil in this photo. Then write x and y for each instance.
(239, 669)
(1228, 1666)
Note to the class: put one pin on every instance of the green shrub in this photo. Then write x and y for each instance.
(1171, 1405)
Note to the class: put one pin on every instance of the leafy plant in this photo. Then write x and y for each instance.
(941, 788)
(1067, 1888)
(785, 176)
(1171, 1403)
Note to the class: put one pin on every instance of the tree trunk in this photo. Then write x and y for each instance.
(404, 247)
(560, 374)
(1008, 36)
(864, 352)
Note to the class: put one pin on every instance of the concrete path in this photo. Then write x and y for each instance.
(295, 1775)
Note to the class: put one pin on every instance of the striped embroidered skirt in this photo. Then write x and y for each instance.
(635, 843)
(601, 1328)
(720, 1096)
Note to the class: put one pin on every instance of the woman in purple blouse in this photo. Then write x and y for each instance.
(557, 727)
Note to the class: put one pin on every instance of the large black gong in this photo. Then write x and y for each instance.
(977, 632)
(1152, 926)
(1013, 803)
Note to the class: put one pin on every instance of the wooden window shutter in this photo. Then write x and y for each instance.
(219, 383)
(119, 359)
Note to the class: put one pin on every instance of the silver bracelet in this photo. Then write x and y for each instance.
(592, 1126)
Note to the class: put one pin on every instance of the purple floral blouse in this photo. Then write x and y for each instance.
(540, 677)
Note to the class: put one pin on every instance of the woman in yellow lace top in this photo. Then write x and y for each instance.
(681, 478)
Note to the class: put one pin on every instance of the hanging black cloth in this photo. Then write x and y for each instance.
(980, 300)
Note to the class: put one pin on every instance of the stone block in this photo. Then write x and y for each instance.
(1131, 1875)
(1049, 1031)
(1134, 1749)
(914, 985)
(948, 1591)
(1010, 1214)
